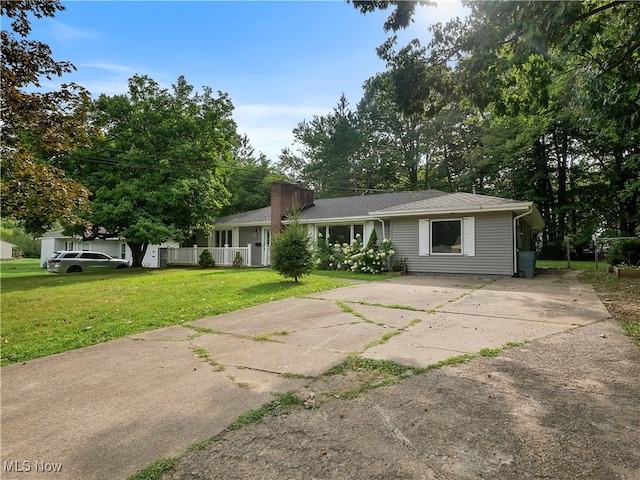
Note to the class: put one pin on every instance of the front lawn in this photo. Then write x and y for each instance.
(45, 313)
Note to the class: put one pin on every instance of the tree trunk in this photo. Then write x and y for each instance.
(561, 146)
(138, 251)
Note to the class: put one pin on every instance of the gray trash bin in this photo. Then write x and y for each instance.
(527, 263)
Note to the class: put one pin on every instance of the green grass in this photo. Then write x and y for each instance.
(156, 470)
(282, 405)
(45, 313)
(490, 352)
(363, 277)
(361, 364)
(20, 267)
(575, 264)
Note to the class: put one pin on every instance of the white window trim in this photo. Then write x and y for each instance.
(365, 234)
(424, 237)
(467, 237)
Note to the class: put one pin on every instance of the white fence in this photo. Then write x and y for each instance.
(221, 255)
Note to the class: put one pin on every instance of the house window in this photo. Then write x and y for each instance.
(447, 237)
(341, 233)
(123, 250)
(223, 237)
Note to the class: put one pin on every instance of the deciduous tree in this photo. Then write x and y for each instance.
(157, 171)
(38, 127)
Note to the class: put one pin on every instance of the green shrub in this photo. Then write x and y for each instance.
(399, 266)
(323, 254)
(238, 261)
(206, 260)
(624, 252)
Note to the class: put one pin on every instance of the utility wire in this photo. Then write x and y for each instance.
(172, 169)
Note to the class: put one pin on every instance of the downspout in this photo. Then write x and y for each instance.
(515, 244)
(384, 235)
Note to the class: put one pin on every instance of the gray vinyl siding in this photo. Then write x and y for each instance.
(247, 237)
(493, 247)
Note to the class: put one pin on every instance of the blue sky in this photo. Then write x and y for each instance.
(280, 62)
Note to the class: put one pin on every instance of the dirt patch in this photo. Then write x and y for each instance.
(565, 406)
(621, 296)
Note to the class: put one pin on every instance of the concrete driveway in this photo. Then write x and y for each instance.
(106, 411)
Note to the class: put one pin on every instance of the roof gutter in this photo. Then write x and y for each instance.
(515, 233)
(451, 210)
(384, 235)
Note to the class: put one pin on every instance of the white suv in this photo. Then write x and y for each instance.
(77, 261)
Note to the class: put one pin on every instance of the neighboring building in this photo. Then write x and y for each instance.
(115, 247)
(435, 232)
(6, 250)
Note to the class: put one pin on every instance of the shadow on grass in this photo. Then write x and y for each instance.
(275, 287)
(48, 279)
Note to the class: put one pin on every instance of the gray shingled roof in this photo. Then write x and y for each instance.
(362, 206)
(453, 201)
(333, 208)
(261, 216)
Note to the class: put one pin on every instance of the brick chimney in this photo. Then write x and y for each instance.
(285, 197)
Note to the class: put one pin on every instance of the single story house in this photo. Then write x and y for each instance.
(432, 231)
(115, 247)
(6, 250)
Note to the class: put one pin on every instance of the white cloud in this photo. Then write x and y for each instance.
(114, 79)
(270, 127)
(111, 67)
(65, 33)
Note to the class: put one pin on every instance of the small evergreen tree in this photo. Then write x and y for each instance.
(291, 254)
(372, 244)
(206, 260)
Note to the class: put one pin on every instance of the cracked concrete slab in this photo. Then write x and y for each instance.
(261, 381)
(341, 338)
(108, 410)
(291, 314)
(435, 339)
(271, 356)
(550, 302)
(391, 317)
(177, 333)
(413, 296)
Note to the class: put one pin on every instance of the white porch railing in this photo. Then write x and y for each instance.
(221, 255)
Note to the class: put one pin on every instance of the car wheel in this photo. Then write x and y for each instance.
(74, 269)
(120, 267)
